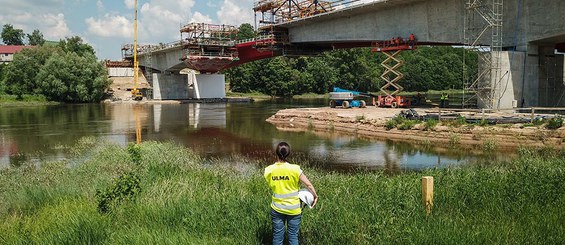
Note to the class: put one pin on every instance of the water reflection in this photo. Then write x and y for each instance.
(212, 130)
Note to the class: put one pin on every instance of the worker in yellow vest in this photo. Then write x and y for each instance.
(283, 179)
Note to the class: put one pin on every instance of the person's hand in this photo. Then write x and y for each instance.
(315, 201)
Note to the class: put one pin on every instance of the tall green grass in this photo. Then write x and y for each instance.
(188, 200)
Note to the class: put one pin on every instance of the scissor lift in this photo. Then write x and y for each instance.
(392, 75)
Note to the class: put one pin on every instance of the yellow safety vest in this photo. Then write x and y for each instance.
(283, 179)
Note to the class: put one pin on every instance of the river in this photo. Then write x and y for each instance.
(39, 134)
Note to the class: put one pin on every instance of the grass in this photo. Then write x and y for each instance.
(186, 200)
(26, 100)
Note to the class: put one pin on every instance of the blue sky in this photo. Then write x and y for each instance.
(108, 24)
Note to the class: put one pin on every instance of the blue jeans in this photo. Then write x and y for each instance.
(293, 225)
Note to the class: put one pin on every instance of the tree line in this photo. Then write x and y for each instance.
(67, 71)
(13, 36)
(359, 69)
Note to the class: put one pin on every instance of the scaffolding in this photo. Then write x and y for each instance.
(482, 16)
(201, 39)
(281, 11)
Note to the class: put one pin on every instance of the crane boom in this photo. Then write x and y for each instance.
(136, 94)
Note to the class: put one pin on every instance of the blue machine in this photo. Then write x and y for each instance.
(346, 98)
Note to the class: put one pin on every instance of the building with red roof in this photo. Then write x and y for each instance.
(7, 52)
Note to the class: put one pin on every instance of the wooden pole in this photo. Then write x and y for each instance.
(428, 193)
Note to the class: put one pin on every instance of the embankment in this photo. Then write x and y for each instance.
(376, 123)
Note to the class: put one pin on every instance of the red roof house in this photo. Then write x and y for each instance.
(7, 52)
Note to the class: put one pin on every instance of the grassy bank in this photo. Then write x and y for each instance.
(177, 198)
(26, 100)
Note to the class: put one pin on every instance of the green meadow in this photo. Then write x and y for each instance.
(162, 193)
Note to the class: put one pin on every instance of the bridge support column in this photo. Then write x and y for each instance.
(170, 86)
(531, 78)
(550, 77)
(208, 86)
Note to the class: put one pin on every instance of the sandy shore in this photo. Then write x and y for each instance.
(370, 122)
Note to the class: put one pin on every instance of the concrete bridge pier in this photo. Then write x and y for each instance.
(207, 86)
(527, 78)
(182, 86)
(170, 86)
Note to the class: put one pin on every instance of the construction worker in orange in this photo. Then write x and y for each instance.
(411, 40)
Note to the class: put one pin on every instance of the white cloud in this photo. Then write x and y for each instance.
(99, 5)
(54, 26)
(200, 18)
(28, 15)
(110, 26)
(232, 13)
(129, 3)
(161, 19)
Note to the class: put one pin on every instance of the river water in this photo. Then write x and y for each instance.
(38, 134)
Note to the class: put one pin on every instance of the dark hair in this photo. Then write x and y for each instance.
(283, 150)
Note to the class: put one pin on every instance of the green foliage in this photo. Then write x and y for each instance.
(554, 123)
(68, 72)
(454, 140)
(489, 145)
(73, 78)
(125, 188)
(396, 121)
(186, 200)
(246, 31)
(11, 36)
(76, 45)
(407, 124)
(482, 123)
(21, 74)
(430, 124)
(35, 38)
(359, 69)
(2, 84)
(135, 153)
(390, 124)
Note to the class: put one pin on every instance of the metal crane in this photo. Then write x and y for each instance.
(136, 94)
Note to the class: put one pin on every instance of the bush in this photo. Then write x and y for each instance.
(555, 123)
(430, 124)
(124, 188)
(407, 124)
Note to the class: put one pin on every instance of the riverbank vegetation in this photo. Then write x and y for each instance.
(25, 100)
(65, 72)
(163, 193)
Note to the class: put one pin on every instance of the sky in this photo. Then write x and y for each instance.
(108, 24)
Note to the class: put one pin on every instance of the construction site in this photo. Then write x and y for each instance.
(205, 50)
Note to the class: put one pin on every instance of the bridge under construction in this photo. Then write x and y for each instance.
(516, 41)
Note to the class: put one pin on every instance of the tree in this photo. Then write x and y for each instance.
(35, 38)
(76, 45)
(245, 31)
(11, 36)
(70, 77)
(2, 85)
(20, 74)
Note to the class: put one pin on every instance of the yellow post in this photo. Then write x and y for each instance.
(428, 193)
